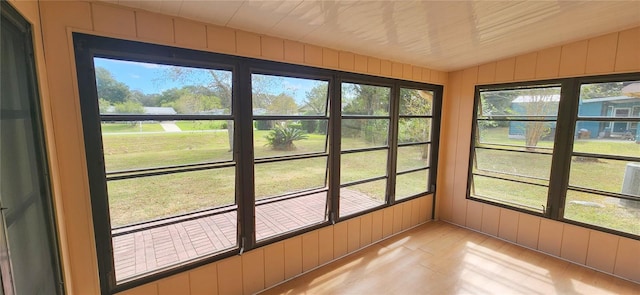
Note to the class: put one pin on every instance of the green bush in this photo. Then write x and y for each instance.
(282, 137)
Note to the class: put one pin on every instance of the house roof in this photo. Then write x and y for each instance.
(612, 99)
(537, 98)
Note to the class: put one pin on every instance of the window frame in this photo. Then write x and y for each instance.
(89, 46)
(564, 139)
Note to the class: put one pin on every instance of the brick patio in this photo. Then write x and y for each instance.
(168, 245)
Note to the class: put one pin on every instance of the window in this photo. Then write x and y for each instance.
(194, 156)
(566, 149)
(414, 142)
(168, 154)
(365, 146)
(290, 147)
(604, 173)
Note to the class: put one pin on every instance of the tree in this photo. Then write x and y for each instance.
(282, 104)
(190, 103)
(599, 90)
(219, 85)
(129, 107)
(415, 102)
(103, 105)
(316, 100)
(538, 102)
(109, 88)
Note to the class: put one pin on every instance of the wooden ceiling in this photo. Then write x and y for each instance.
(443, 35)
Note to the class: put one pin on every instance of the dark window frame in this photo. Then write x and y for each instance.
(88, 46)
(562, 153)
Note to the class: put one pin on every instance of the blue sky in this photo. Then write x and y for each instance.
(153, 78)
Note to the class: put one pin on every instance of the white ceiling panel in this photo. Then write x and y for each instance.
(443, 35)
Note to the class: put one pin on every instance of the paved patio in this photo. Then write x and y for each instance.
(168, 245)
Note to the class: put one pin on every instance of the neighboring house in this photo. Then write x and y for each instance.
(149, 110)
(617, 106)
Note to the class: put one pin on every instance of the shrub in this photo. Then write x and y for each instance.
(282, 137)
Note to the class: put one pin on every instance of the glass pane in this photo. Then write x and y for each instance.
(140, 145)
(283, 177)
(509, 164)
(360, 99)
(288, 215)
(527, 196)
(414, 156)
(127, 87)
(415, 102)
(173, 244)
(147, 198)
(357, 198)
(278, 95)
(538, 136)
(607, 175)
(520, 102)
(364, 133)
(610, 99)
(414, 130)
(363, 165)
(278, 138)
(411, 184)
(618, 214)
(605, 137)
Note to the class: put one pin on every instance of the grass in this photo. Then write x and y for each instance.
(606, 175)
(152, 197)
(128, 128)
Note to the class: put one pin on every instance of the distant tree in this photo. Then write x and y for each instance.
(104, 105)
(190, 103)
(599, 90)
(282, 104)
(129, 107)
(316, 100)
(109, 88)
(415, 102)
(219, 85)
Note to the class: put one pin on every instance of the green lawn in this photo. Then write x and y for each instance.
(153, 197)
(134, 127)
(601, 174)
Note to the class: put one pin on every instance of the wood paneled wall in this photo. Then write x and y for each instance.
(612, 53)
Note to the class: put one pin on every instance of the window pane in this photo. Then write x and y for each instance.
(618, 214)
(538, 136)
(414, 130)
(411, 184)
(136, 146)
(509, 164)
(527, 196)
(363, 165)
(605, 137)
(520, 102)
(278, 138)
(283, 177)
(148, 198)
(414, 156)
(611, 99)
(363, 133)
(278, 95)
(415, 102)
(357, 198)
(607, 175)
(360, 99)
(173, 244)
(291, 214)
(138, 88)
